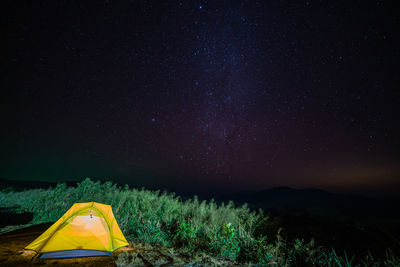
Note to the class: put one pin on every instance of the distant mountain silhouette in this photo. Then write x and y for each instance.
(351, 222)
(313, 201)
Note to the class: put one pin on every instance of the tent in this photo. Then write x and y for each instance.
(85, 230)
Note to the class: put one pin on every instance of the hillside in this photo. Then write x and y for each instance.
(223, 232)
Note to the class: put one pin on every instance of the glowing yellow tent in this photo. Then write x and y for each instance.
(85, 230)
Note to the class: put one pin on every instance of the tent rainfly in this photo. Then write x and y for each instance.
(85, 230)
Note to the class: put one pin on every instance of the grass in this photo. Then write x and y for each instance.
(162, 219)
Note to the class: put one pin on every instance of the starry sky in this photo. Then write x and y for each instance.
(218, 95)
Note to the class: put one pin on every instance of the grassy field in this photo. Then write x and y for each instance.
(160, 219)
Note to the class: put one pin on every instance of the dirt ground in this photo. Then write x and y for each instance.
(12, 243)
(139, 254)
(12, 253)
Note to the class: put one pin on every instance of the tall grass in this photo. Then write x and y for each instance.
(163, 219)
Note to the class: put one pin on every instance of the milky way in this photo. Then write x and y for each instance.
(238, 94)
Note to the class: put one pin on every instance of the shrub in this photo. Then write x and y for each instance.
(185, 235)
(225, 241)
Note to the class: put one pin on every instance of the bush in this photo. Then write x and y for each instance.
(185, 235)
(225, 242)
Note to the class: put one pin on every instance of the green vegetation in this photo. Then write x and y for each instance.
(161, 219)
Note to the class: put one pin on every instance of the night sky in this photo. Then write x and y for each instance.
(202, 94)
